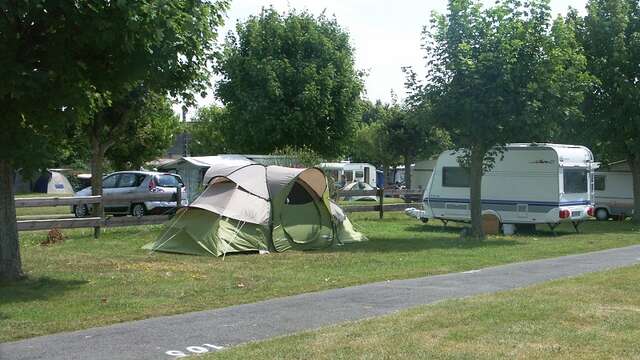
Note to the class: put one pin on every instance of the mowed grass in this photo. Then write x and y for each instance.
(83, 282)
(596, 316)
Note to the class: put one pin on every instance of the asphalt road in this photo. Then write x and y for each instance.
(205, 331)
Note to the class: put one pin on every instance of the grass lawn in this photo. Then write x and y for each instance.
(596, 316)
(85, 282)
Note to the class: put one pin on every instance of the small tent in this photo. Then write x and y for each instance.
(53, 182)
(359, 185)
(258, 208)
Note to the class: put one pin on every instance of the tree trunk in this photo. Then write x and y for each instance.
(407, 171)
(634, 164)
(97, 159)
(10, 263)
(475, 189)
(385, 174)
(394, 172)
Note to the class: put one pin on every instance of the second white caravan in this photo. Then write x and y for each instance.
(529, 184)
(614, 191)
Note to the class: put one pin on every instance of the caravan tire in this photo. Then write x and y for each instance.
(602, 214)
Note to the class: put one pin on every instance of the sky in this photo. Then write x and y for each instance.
(386, 35)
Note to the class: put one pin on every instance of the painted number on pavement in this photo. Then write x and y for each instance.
(194, 350)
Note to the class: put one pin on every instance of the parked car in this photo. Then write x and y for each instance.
(135, 182)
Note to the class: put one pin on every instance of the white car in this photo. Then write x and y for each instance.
(135, 182)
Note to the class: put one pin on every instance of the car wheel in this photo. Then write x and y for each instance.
(80, 211)
(424, 220)
(138, 210)
(602, 214)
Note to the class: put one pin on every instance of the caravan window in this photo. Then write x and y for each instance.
(359, 174)
(600, 182)
(575, 181)
(455, 177)
(349, 176)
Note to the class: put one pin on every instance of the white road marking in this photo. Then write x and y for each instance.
(194, 350)
(471, 272)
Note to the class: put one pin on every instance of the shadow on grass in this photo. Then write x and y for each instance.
(386, 245)
(542, 231)
(30, 289)
(435, 228)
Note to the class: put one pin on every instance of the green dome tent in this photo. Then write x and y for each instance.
(258, 208)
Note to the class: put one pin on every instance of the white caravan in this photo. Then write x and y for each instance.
(529, 184)
(345, 172)
(614, 191)
(421, 173)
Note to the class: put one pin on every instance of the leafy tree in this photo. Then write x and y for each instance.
(390, 134)
(207, 129)
(159, 46)
(371, 141)
(150, 131)
(497, 75)
(289, 80)
(152, 126)
(411, 134)
(36, 88)
(298, 157)
(68, 61)
(610, 34)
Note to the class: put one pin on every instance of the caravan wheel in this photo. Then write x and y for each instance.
(602, 214)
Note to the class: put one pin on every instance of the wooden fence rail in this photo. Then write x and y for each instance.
(98, 222)
(381, 207)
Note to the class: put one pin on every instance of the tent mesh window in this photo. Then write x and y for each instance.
(299, 195)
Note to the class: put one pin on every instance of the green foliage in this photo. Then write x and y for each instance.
(54, 73)
(289, 79)
(502, 74)
(412, 134)
(207, 131)
(38, 84)
(371, 142)
(151, 126)
(393, 134)
(302, 156)
(610, 34)
(150, 131)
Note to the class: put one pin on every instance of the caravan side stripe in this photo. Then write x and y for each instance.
(511, 202)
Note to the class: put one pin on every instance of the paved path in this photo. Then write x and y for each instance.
(205, 331)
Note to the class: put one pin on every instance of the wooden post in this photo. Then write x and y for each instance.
(381, 196)
(100, 214)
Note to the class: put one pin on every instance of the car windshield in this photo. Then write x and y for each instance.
(169, 181)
